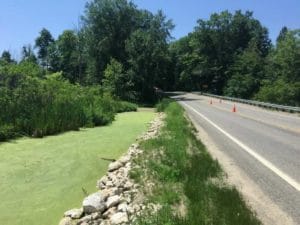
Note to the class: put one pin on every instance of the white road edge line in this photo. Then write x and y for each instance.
(261, 159)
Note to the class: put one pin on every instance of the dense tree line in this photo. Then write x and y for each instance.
(120, 52)
(129, 51)
(231, 54)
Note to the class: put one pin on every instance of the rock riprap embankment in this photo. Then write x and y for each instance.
(119, 200)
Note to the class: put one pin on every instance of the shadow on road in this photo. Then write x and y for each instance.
(179, 96)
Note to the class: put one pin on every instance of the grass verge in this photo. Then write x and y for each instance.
(42, 178)
(179, 174)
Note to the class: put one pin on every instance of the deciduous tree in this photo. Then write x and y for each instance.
(42, 43)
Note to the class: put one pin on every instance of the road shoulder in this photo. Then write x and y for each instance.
(267, 211)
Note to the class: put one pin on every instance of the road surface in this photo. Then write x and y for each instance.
(258, 148)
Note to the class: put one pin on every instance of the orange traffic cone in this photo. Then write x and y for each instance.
(210, 102)
(234, 108)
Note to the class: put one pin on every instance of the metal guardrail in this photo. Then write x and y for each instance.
(256, 103)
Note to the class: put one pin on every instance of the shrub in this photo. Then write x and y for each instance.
(103, 112)
(280, 92)
(163, 104)
(39, 107)
(123, 106)
(7, 132)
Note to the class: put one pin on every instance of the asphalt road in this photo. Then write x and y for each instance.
(265, 145)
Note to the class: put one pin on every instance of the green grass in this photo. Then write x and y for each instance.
(42, 178)
(183, 172)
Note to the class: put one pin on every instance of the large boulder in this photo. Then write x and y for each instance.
(94, 203)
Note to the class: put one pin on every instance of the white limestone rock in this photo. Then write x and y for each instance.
(108, 213)
(113, 201)
(94, 203)
(114, 166)
(124, 159)
(119, 218)
(123, 207)
(74, 213)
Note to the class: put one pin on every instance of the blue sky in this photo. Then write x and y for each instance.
(21, 20)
